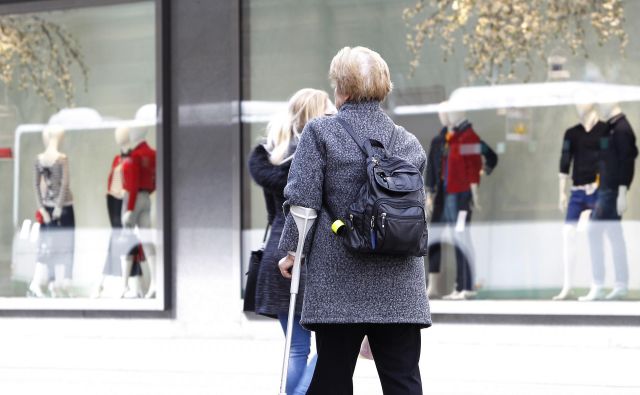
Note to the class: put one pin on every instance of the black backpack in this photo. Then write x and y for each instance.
(388, 216)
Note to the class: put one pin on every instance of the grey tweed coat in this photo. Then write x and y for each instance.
(328, 169)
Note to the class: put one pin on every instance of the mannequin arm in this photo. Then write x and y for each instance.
(46, 218)
(127, 219)
(428, 204)
(475, 197)
(562, 197)
(131, 178)
(64, 187)
(621, 203)
(38, 178)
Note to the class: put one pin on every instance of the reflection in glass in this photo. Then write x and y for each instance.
(80, 213)
(520, 246)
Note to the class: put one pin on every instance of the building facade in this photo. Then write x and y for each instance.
(210, 74)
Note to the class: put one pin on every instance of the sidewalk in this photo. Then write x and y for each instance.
(456, 359)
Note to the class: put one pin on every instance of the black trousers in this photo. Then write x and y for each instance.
(395, 349)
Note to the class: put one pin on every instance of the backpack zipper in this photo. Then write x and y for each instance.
(392, 203)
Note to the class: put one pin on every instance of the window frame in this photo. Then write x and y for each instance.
(161, 305)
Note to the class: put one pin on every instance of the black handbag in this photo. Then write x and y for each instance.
(252, 275)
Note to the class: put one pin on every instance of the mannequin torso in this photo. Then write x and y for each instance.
(52, 175)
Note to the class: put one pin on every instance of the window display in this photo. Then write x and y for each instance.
(538, 148)
(81, 229)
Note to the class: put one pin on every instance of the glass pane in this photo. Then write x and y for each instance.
(508, 239)
(78, 163)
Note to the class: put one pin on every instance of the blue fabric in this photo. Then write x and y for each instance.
(579, 202)
(453, 204)
(606, 206)
(300, 373)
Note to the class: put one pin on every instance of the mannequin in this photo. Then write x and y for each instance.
(55, 207)
(139, 182)
(616, 167)
(580, 151)
(453, 174)
(434, 276)
(124, 254)
(615, 118)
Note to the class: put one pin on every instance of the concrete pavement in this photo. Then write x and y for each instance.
(456, 359)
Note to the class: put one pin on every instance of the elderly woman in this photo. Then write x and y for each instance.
(350, 295)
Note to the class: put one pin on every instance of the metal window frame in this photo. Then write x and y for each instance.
(162, 305)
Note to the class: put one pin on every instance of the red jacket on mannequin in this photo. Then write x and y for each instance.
(464, 162)
(139, 172)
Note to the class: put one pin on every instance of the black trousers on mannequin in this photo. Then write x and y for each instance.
(447, 213)
(395, 349)
(56, 243)
(122, 242)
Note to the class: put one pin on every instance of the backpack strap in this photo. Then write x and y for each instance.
(392, 140)
(367, 146)
(347, 127)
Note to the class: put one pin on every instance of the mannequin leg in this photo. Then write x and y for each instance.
(450, 216)
(151, 266)
(97, 292)
(67, 239)
(126, 262)
(619, 248)
(568, 259)
(56, 287)
(135, 286)
(596, 233)
(40, 277)
(459, 204)
(144, 222)
(434, 255)
(464, 258)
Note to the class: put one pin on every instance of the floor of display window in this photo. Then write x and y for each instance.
(542, 294)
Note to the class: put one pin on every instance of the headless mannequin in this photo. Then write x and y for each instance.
(140, 218)
(443, 116)
(608, 111)
(447, 211)
(131, 287)
(605, 222)
(434, 277)
(588, 118)
(122, 137)
(52, 137)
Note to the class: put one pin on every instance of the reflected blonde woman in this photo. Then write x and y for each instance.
(269, 167)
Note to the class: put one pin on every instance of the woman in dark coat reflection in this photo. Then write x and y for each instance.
(269, 167)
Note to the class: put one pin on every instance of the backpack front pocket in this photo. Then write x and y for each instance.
(399, 229)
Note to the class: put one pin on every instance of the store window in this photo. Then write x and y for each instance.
(79, 160)
(550, 156)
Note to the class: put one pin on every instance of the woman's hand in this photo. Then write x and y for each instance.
(285, 265)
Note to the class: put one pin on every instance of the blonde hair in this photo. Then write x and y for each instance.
(361, 74)
(304, 105)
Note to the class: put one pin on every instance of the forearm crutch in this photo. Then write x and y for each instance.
(304, 218)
